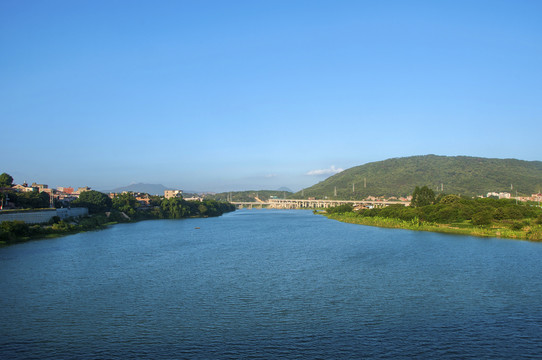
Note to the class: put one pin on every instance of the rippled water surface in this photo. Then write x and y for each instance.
(269, 284)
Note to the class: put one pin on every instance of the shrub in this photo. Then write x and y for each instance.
(17, 228)
(516, 225)
(482, 218)
(340, 209)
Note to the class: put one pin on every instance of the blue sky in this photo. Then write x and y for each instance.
(232, 95)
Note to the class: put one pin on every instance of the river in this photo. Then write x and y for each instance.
(262, 284)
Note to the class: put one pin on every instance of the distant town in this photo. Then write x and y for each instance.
(62, 196)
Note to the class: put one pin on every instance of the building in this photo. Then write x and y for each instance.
(40, 186)
(23, 188)
(194, 198)
(501, 195)
(143, 199)
(173, 193)
(80, 190)
(65, 190)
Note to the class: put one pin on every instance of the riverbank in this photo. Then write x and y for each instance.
(14, 232)
(531, 233)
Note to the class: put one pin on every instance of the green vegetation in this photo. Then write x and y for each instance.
(29, 200)
(95, 201)
(6, 180)
(453, 214)
(176, 208)
(422, 197)
(463, 175)
(12, 232)
(249, 196)
(104, 211)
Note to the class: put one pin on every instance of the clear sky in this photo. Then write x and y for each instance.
(232, 95)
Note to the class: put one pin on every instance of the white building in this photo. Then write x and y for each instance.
(173, 193)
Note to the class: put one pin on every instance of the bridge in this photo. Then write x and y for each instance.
(313, 204)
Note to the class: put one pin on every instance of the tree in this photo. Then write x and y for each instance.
(95, 201)
(482, 218)
(422, 197)
(126, 203)
(30, 200)
(6, 180)
(174, 208)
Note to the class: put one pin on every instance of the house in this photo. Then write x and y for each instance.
(173, 193)
(23, 188)
(65, 190)
(143, 199)
(501, 195)
(40, 187)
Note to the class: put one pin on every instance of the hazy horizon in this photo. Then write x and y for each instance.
(225, 96)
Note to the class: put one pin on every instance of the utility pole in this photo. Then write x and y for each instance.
(335, 192)
(353, 187)
(364, 182)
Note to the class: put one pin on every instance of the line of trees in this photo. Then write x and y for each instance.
(448, 209)
(158, 208)
(103, 210)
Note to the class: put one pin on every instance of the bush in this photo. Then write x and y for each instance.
(62, 226)
(54, 220)
(450, 199)
(516, 225)
(17, 228)
(482, 218)
(340, 209)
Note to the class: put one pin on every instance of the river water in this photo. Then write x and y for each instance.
(269, 284)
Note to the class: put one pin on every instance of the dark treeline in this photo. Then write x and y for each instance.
(126, 205)
(27, 200)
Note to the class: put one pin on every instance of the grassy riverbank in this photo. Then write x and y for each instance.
(532, 233)
(452, 214)
(13, 232)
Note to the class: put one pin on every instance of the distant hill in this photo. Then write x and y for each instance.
(454, 174)
(152, 189)
(284, 188)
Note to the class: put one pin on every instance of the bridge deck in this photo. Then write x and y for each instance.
(312, 204)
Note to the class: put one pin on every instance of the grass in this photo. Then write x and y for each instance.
(532, 233)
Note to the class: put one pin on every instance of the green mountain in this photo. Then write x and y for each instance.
(462, 175)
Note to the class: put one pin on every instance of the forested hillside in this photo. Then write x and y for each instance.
(463, 175)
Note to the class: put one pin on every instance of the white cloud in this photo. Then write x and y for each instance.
(332, 170)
